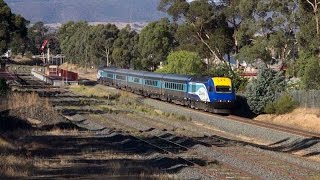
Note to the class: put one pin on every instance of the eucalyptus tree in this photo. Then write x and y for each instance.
(124, 51)
(102, 43)
(201, 22)
(73, 41)
(36, 36)
(155, 42)
(13, 30)
(267, 30)
(309, 36)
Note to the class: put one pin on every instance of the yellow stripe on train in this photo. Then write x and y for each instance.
(221, 81)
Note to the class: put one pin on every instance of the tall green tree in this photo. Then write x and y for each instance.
(203, 22)
(309, 36)
(13, 31)
(103, 41)
(267, 30)
(124, 51)
(155, 42)
(184, 62)
(36, 36)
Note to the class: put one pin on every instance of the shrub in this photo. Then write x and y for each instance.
(263, 90)
(311, 77)
(284, 104)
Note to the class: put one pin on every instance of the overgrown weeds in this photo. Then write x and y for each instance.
(94, 91)
(18, 100)
(284, 104)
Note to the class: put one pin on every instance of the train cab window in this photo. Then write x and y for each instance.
(194, 88)
(223, 89)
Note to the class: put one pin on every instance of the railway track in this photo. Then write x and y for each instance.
(179, 148)
(29, 82)
(273, 126)
(166, 143)
(234, 152)
(252, 122)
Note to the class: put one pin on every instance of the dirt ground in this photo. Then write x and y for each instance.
(300, 118)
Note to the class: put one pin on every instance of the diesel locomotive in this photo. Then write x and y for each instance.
(213, 94)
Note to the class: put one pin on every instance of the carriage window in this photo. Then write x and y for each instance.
(110, 75)
(223, 88)
(136, 80)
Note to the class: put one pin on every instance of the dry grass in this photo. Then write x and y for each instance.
(62, 132)
(18, 100)
(5, 144)
(94, 91)
(15, 166)
(301, 118)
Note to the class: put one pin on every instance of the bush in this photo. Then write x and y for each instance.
(284, 104)
(263, 90)
(311, 77)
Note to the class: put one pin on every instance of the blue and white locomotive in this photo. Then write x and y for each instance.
(213, 94)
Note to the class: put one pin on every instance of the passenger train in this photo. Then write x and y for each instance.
(213, 94)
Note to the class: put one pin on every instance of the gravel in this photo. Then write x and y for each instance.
(284, 141)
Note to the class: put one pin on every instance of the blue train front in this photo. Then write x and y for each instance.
(210, 94)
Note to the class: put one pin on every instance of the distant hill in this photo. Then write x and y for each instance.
(60, 11)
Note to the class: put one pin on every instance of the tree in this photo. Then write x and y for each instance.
(13, 30)
(311, 76)
(183, 62)
(105, 35)
(155, 43)
(263, 90)
(267, 30)
(308, 36)
(36, 36)
(315, 4)
(204, 21)
(124, 52)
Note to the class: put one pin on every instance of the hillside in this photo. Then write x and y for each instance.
(60, 11)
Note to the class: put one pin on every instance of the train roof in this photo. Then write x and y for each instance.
(200, 79)
(146, 74)
(109, 69)
(153, 75)
(177, 77)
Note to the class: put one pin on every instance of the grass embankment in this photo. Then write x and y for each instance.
(93, 91)
(300, 118)
(123, 101)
